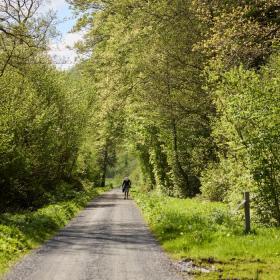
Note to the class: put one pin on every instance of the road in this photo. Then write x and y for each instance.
(107, 241)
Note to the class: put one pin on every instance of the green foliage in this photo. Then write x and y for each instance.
(45, 114)
(188, 85)
(199, 104)
(41, 133)
(243, 66)
(208, 234)
(157, 90)
(24, 34)
(248, 130)
(226, 181)
(239, 32)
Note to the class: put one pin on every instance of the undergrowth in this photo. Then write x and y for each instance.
(21, 232)
(210, 236)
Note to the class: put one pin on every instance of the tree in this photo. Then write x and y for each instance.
(241, 32)
(165, 77)
(23, 35)
(249, 123)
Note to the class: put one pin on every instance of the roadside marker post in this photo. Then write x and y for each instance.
(246, 204)
(247, 212)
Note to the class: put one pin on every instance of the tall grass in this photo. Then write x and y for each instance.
(209, 234)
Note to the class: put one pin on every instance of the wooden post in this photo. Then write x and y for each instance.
(247, 212)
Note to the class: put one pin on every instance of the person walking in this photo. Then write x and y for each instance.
(126, 185)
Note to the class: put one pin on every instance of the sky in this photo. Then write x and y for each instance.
(59, 47)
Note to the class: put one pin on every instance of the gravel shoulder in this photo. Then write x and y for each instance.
(107, 241)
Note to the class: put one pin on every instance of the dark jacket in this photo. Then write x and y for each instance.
(126, 185)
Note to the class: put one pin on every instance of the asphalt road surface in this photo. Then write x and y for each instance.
(107, 241)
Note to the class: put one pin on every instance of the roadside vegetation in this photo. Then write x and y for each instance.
(183, 96)
(208, 234)
(20, 232)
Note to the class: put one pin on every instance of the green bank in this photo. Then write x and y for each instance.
(21, 232)
(210, 236)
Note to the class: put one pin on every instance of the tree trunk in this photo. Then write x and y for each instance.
(178, 165)
(104, 167)
(274, 193)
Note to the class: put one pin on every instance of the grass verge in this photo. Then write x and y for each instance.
(207, 234)
(21, 232)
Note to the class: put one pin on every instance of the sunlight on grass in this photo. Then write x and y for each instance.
(207, 233)
(19, 233)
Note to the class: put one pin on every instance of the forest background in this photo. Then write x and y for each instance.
(181, 95)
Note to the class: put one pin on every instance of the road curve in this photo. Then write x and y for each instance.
(107, 241)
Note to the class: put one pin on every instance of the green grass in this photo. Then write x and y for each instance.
(19, 233)
(208, 234)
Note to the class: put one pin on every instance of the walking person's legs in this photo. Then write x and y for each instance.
(125, 194)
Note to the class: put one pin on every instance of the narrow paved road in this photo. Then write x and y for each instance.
(107, 241)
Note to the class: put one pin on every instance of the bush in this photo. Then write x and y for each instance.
(247, 130)
(226, 181)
